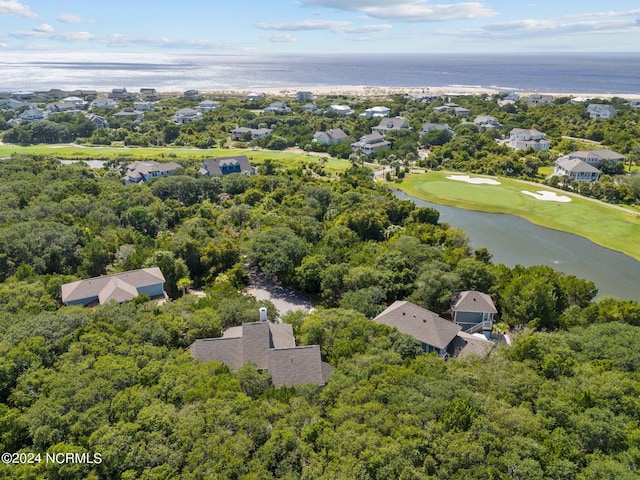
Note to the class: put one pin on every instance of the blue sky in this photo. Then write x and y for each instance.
(320, 26)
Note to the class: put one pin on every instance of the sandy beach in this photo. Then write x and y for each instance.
(382, 92)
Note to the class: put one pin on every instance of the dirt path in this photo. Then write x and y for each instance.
(284, 298)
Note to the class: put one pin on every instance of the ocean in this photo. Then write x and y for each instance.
(563, 73)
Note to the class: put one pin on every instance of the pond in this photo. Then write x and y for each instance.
(513, 240)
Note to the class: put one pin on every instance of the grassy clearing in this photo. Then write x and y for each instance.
(605, 225)
(257, 157)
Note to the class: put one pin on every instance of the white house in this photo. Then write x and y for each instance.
(487, 122)
(140, 172)
(600, 110)
(595, 158)
(576, 170)
(254, 97)
(277, 107)
(80, 103)
(238, 133)
(523, 138)
(370, 144)
(144, 106)
(377, 111)
(340, 109)
(32, 114)
(186, 115)
(106, 103)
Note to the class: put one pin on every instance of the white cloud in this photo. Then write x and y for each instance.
(118, 40)
(45, 28)
(71, 18)
(410, 11)
(281, 38)
(632, 13)
(13, 7)
(330, 25)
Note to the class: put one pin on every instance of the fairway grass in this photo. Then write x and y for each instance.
(603, 224)
(256, 157)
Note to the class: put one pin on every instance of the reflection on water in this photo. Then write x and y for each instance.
(513, 240)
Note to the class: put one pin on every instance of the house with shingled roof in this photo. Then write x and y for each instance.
(523, 138)
(332, 136)
(473, 311)
(387, 125)
(139, 172)
(219, 167)
(434, 332)
(601, 110)
(271, 347)
(576, 169)
(120, 287)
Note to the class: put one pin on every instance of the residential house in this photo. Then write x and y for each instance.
(122, 94)
(310, 107)
(421, 97)
(98, 121)
(270, 347)
(634, 104)
(576, 170)
(208, 106)
(434, 332)
(186, 115)
(32, 114)
(473, 311)
(429, 127)
(600, 110)
(192, 95)
(149, 95)
(377, 111)
(332, 136)
(254, 97)
(277, 107)
(595, 158)
(370, 144)
(144, 106)
(52, 93)
(240, 134)
(510, 99)
(486, 122)
(453, 109)
(218, 167)
(79, 102)
(387, 125)
(120, 287)
(467, 344)
(23, 94)
(304, 96)
(140, 172)
(461, 112)
(11, 103)
(61, 107)
(523, 138)
(340, 109)
(538, 99)
(130, 113)
(106, 103)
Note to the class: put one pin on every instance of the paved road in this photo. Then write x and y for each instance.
(284, 298)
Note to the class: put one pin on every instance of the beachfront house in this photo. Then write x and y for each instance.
(473, 311)
(254, 97)
(143, 171)
(378, 111)
(218, 167)
(310, 107)
(600, 110)
(304, 96)
(370, 144)
(122, 94)
(149, 95)
(270, 347)
(387, 125)
(575, 169)
(332, 136)
(208, 106)
(186, 115)
(343, 110)
(245, 134)
(538, 99)
(192, 95)
(119, 287)
(523, 138)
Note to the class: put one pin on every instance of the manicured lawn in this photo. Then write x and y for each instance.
(281, 159)
(602, 224)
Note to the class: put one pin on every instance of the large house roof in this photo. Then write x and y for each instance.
(214, 166)
(575, 165)
(473, 301)
(422, 324)
(270, 346)
(602, 154)
(136, 171)
(120, 286)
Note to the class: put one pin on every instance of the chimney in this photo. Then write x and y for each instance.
(263, 314)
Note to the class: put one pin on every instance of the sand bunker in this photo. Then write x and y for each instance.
(548, 196)
(476, 180)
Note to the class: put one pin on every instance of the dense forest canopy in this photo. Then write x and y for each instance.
(118, 379)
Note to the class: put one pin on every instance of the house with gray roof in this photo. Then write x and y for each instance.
(32, 114)
(473, 311)
(430, 127)
(601, 110)
(370, 144)
(11, 103)
(98, 121)
(332, 136)
(523, 138)
(143, 171)
(239, 134)
(119, 287)
(538, 99)
(387, 125)
(575, 169)
(377, 111)
(208, 106)
(122, 94)
(486, 122)
(149, 95)
(271, 347)
(595, 158)
(192, 95)
(254, 97)
(130, 113)
(304, 96)
(277, 107)
(186, 115)
(434, 332)
(219, 167)
(340, 109)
